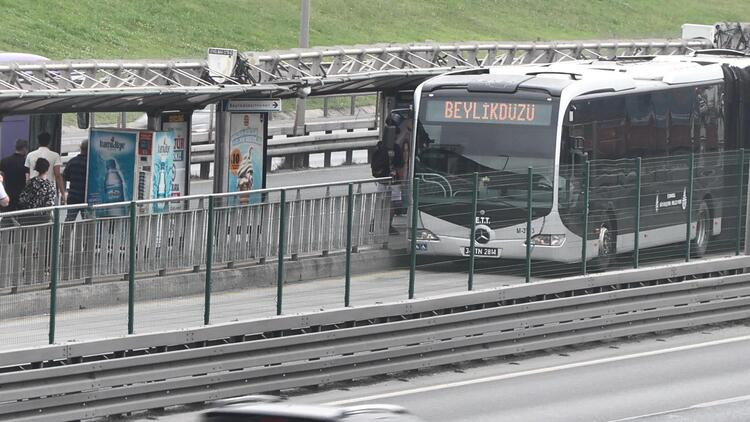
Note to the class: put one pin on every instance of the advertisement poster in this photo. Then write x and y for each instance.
(111, 167)
(246, 154)
(178, 123)
(163, 170)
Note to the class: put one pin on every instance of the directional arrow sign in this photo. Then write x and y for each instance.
(254, 105)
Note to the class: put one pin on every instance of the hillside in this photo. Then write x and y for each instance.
(62, 29)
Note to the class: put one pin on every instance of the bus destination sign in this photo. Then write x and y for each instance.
(514, 113)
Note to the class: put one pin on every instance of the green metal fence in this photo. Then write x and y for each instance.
(219, 258)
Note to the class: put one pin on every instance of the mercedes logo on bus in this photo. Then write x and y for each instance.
(481, 235)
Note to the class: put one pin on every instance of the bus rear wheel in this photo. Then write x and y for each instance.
(699, 244)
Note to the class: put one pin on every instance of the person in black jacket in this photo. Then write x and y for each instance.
(385, 163)
(75, 175)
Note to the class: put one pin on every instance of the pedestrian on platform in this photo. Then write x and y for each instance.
(75, 175)
(54, 161)
(14, 170)
(39, 193)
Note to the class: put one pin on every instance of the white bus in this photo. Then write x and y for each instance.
(500, 121)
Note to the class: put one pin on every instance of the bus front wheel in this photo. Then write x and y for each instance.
(607, 240)
(699, 244)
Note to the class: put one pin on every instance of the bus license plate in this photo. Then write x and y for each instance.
(485, 252)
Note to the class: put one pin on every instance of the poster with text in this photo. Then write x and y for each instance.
(163, 170)
(111, 168)
(246, 154)
(179, 124)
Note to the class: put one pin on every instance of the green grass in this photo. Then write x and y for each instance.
(66, 29)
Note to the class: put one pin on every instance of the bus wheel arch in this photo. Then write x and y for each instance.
(703, 227)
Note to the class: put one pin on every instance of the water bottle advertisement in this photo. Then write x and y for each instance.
(111, 167)
(163, 169)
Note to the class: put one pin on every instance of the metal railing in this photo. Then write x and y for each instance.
(51, 247)
(100, 378)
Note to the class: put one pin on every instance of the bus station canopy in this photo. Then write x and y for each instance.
(154, 85)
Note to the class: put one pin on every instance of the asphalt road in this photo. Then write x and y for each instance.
(679, 376)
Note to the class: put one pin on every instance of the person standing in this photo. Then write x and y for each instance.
(384, 162)
(75, 174)
(14, 169)
(52, 158)
(39, 193)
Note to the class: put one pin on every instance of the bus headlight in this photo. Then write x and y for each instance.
(424, 234)
(548, 240)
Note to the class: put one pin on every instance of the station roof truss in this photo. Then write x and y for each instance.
(374, 68)
(153, 85)
(70, 86)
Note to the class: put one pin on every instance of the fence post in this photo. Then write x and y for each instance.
(413, 230)
(473, 225)
(529, 216)
(637, 222)
(131, 267)
(585, 217)
(689, 199)
(349, 212)
(740, 177)
(209, 261)
(54, 273)
(280, 269)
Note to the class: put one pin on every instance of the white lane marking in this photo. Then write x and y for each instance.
(539, 371)
(682, 409)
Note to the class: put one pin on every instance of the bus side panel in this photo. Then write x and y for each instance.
(13, 128)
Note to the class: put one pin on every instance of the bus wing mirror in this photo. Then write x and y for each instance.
(83, 120)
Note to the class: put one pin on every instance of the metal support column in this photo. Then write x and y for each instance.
(304, 37)
(282, 239)
(689, 213)
(740, 180)
(473, 226)
(529, 216)
(209, 261)
(585, 231)
(54, 273)
(413, 231)
(131, 267)
(637, 219)
(349, 216)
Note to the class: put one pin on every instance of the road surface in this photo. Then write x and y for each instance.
(679, 376)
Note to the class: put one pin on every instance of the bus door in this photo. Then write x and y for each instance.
(50, 123)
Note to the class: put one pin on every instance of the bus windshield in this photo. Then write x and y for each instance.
(498, 136)
(461, 133)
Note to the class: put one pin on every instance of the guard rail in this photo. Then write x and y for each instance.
(94, 379)
(322, 136)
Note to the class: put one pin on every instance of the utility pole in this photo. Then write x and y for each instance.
(304, 36)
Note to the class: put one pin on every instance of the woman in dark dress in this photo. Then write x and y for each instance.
(38, 193)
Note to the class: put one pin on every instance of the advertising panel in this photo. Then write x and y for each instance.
(179, 124)
(246, 154)
(111, 167)
(163, 169)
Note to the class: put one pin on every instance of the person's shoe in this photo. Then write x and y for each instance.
(392, 230)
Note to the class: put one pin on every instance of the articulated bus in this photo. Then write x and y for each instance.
(478, 132)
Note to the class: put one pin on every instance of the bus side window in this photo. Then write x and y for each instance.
(660, 104)
(641, 139)
(680, 111)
